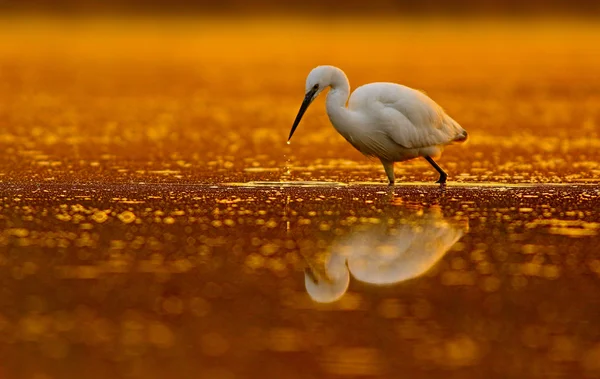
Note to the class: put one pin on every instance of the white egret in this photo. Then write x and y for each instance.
(385, 120)
(383, 255)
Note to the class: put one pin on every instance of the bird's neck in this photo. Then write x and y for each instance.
(336, 101)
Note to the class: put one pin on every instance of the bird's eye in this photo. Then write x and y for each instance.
(316, 86)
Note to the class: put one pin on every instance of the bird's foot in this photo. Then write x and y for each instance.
(442, 179)
(390, 184)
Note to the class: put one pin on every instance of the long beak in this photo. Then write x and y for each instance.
(311, 274)
(307, 100)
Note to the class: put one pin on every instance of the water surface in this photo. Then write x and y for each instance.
(154, 224)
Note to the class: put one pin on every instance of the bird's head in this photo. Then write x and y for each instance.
(329, 285)
(317, 80)
(325, 289)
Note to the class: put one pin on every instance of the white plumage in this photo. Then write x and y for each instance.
(383, 255)
(385, 120)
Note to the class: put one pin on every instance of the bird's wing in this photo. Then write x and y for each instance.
(408, 254)
(410, 118)
(375, 147)
(417, 121)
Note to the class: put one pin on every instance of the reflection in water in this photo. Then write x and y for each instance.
(400, 247)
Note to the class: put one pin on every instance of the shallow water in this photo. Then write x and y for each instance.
(153, 222)
(209, 281)
(212, 101)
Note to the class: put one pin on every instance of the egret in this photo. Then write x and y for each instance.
(388, 121)
(383, 254)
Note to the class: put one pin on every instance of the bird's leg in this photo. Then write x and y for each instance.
(389, 171)
(443, 175)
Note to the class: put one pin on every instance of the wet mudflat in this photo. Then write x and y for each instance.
(153, 222)
(213, 281)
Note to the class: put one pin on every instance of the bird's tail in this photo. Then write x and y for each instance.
(463, 136)
(460, 135)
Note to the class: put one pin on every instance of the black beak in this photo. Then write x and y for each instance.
(307, 100)
(311, 274)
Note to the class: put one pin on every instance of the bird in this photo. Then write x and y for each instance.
(385, 120)
(383, 254)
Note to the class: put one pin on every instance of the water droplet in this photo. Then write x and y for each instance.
(288, 142)
(286, 169)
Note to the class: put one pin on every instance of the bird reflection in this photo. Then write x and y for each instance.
(404, 245)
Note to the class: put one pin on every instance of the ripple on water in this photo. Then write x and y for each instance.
(310, 183)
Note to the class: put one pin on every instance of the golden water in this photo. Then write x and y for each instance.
(147, 228)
